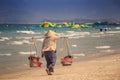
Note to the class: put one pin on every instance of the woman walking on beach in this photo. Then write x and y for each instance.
(49, 50)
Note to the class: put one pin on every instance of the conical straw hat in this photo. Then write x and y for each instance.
(50, 33)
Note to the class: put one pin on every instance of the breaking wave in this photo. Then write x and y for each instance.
(5, 54)
(103, 47)
(26, 53)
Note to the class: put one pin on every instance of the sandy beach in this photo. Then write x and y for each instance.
(103, 68)
(88, 31)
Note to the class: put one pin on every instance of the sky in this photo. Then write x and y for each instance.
(34, 11)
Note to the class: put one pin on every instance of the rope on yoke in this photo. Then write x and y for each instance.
(67, 60)
(34, 58)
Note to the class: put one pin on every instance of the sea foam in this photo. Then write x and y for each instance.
(6, 54)
(74, 45)
(117, 28)
(113, 32)
(81, 54)
(41, 40)
(108, 51)
(26, 53)
(4, 38)
(72, 34)
(20, 42)
(102, 47)
(26, 32)
(23, 37)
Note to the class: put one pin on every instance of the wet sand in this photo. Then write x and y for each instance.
(102, 68)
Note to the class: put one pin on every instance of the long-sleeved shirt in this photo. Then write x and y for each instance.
(49, 43)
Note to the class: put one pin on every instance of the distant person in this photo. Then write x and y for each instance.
(101, 29)
(105, 29)
(49, 50)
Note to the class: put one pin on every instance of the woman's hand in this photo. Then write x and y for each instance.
(42, 55)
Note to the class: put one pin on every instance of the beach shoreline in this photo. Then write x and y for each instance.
(76, 58)
(102, 68)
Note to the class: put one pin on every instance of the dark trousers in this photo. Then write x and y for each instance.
(50, 57)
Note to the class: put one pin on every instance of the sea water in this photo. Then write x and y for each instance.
(16, 45)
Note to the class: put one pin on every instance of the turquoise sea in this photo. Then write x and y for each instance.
(15, 43)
